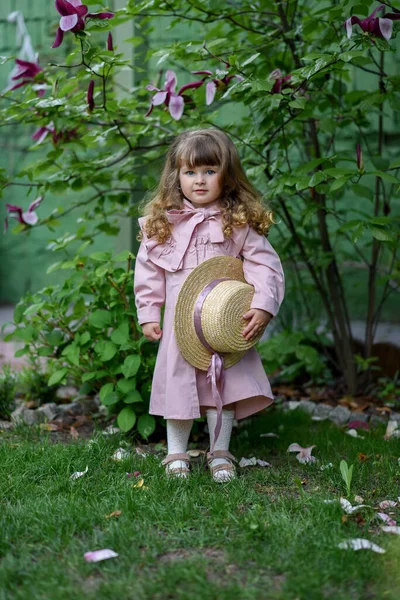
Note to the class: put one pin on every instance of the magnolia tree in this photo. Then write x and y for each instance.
(278, 78)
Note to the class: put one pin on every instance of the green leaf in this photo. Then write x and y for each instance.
(85, 337)
(110, 399)
(100, 318)
(339, 183)
(89, 376)
(100, 256)
(249, 60)
(146, 425)
(300, 103)
(131, 365)
(385, 176)
(57, 376)
(126, 385)
(106, 389)
(121, 334)
(105, 349)
(133, 397)
(22, 352)
(382, 235)
(72, 352)
(308, 214)
(33, 309)
(122, 256)
(126, 418)
(317, 178)
(363, 191)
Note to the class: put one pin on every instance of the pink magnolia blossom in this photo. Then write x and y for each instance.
(384, 517)
(64, 135)
(381, 27)
(215, 83)
(90, 99)
(74, 15)
(110, 45)
(280, 82)
(28, 217)
(304, 454)
(168, 96)
(358, 425)
(27, 71)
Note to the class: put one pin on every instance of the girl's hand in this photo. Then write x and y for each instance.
(152, 331)
(259, 319)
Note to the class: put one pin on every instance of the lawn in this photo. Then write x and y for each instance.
(267, 535)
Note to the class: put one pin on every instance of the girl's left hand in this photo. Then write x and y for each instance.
(259, 319)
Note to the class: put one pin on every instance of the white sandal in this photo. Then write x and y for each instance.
(177, 471)
(228, 466)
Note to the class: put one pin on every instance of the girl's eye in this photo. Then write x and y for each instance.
(210, 172)
(189, 172)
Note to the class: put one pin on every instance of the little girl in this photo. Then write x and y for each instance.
(204, 207)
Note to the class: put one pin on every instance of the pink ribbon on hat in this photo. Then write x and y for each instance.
(215, 373)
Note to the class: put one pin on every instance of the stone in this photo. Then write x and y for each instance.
(293, 404)
(66, 392)
(17, 415)
(32, 417)
(5, 425)
(359, 416)
(307, 406)
(395, 416)
(375, 420)
(49, 410)
(340, 415)
(73, 409)
(323, 410)
(88, 405)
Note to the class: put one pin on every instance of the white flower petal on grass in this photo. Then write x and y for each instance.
(78, 474)
(141, 452)
(293, 404)
(348, 508)
(354, 433)
(391, 430)
(275, 435)
(324, 467)
(247, 462)
(360, 544)
(110, 430)
(98, 555)
(386, 519)
(391, 529)
(263, 463)
(304, 455)
(387, 504)
(358, 498)
(120, 454)
(315, 418)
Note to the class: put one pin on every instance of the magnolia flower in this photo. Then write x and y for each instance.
(304, 455)
(215, 83)
(167, 96)
(110, 45)
(26, 218)
(65, 135)
(27, 71)
(74, 15)
(90, 99)
(358, 425)
(280, 82)
(384, 517)
(378, 26)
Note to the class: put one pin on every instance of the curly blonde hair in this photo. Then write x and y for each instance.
(240, 202)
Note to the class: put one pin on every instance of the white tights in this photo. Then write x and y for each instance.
(178, 431)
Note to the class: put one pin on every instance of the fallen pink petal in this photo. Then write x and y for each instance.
(360, 544)
(354, 433)
(384, 517)
(348, 508)
(271, 435)
(304, 454)
(391, 529)
(99, 555)
(78, 474)
(358, 425)
(387, 504)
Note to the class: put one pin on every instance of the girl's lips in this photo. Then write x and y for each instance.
(200, 191)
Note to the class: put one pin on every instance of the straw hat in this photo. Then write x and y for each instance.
(218, 306)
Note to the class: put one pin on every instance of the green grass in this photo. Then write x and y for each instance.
(259, 537)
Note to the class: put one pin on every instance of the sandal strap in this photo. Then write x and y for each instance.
(225, 467)
(220, 454)
(171, 457)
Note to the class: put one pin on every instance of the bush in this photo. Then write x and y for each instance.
(88, 327)
(7, 391)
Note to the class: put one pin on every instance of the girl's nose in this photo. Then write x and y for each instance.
(200, 178)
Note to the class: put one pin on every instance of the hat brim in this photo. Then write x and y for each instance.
(189, 344)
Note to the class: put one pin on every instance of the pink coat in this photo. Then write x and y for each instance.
(179, 390)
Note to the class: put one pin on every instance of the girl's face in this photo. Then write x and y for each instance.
(201, 185)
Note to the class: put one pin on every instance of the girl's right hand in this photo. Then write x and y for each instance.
(152, 331)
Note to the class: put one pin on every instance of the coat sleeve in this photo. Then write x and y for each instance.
(149, 288)
(263, 269)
